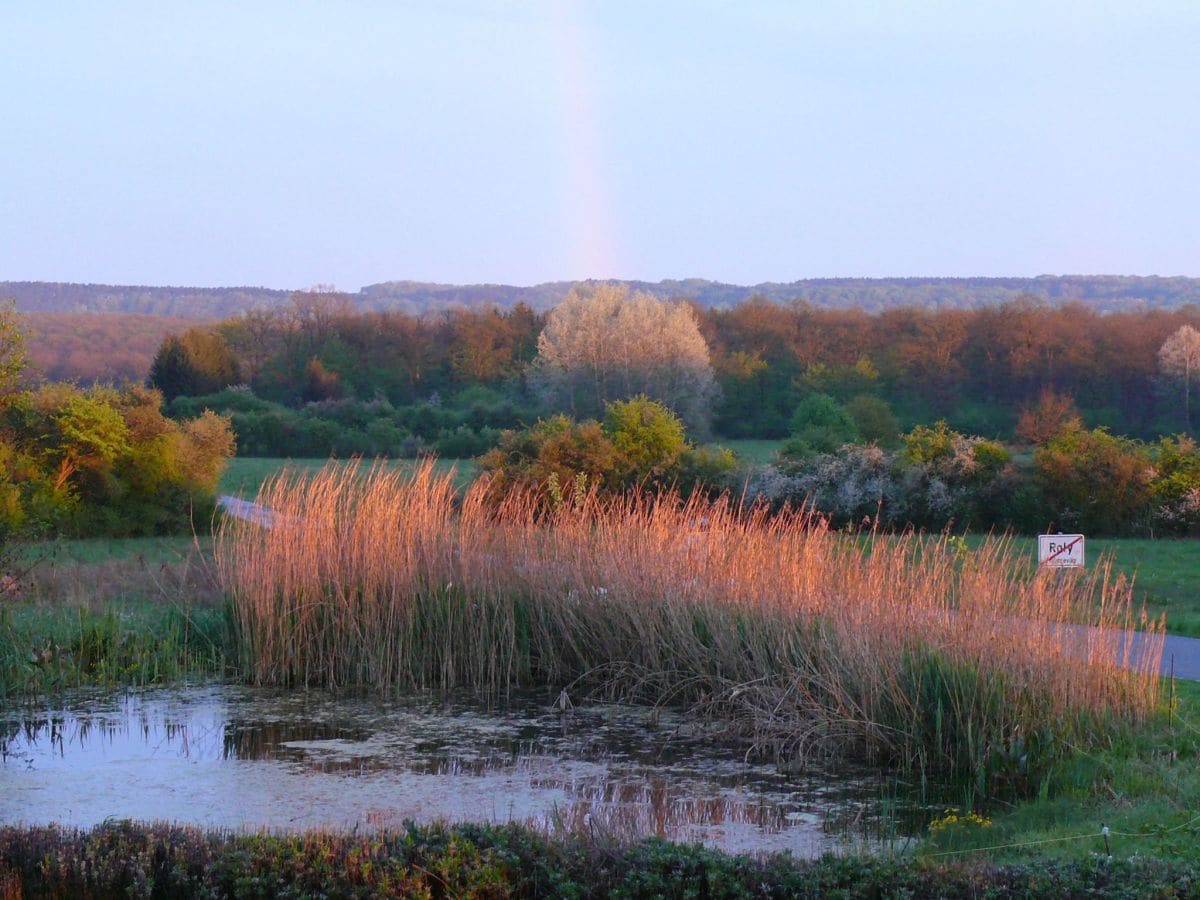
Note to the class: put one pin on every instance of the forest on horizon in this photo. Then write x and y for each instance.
(1102, 293)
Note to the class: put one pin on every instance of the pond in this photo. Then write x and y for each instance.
(239, 757)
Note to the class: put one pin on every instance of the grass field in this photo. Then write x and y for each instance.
(245, 475)
(757, 453)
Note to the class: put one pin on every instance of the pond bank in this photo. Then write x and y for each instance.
(126, 859)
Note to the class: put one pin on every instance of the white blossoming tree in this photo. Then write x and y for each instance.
(1179, 360)
(606, 344)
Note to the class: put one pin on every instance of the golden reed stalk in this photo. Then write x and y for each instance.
(898, 647)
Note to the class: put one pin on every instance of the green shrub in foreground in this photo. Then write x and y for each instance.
(127, 859)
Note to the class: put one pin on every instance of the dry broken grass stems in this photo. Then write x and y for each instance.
(805, 638)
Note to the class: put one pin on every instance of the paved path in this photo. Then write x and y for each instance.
(247, 510)
(1181, 655)
(1184, 653)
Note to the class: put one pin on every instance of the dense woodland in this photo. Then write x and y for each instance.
(96, 347)
(1018, 415)
(1103, 293)
(977, 369)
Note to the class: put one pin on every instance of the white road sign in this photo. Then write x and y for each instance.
(1060, 551)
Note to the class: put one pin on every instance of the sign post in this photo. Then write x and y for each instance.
(1060, 551)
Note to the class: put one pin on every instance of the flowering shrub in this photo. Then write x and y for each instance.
(939, 477)
(1175, 488)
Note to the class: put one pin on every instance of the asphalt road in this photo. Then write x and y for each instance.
(1181, 657)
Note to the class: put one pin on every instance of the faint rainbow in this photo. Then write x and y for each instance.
(587, 195)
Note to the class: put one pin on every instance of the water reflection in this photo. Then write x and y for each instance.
(238, 757)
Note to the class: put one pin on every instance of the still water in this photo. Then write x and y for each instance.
(251, 758)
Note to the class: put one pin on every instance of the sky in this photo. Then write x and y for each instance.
(289, 144)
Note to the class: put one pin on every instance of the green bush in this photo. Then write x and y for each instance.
(465, 442)
(230, 400)
(819, 425)
(1095, 481)
(874, 420)
(106, 462)
(640, 443)
(647, 437)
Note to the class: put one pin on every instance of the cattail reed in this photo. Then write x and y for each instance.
(896, 648)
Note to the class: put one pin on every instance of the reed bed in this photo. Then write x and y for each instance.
(808, 640)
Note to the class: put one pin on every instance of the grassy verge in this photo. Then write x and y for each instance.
(1168, 577)
(1144, 784)
(112, 613)
(46, 648)
(466, 861)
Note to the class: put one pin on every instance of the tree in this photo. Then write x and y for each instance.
(171, 372)
(253, 337)
(1095, 481)
(12, 347)
(320, 383)
(874, 419)
(488, 346)
(1179, 358)
(193, 364)
(1053, 412)
(607, 344)
(819, 425)
(646, 434)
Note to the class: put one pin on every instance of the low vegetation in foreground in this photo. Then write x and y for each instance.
(688, 597)
(135, 611)
(945, 664)
(481, 861)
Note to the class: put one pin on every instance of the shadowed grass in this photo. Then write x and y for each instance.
(1144, 784)
(96, 613)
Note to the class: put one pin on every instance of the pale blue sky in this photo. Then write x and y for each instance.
(287, 143)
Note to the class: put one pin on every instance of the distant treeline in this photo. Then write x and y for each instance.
(1104, 293)
(977, 369)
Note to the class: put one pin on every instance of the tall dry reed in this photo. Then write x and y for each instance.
(894, 647)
